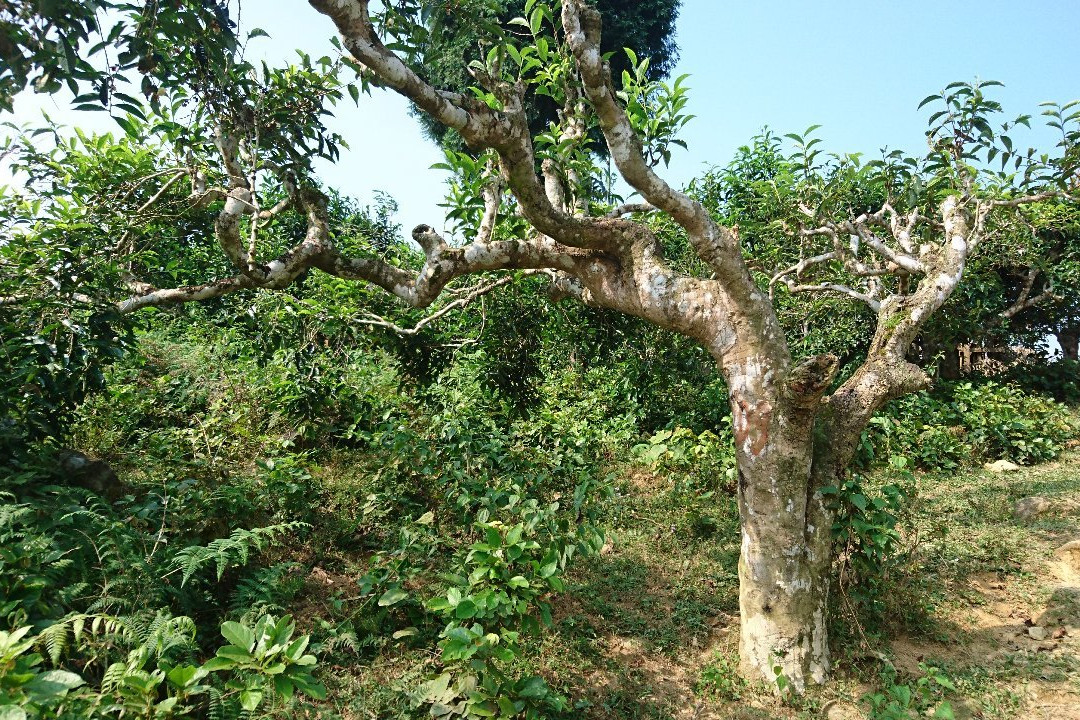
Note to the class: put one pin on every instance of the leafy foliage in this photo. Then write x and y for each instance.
(445, 39)
(866, 533)
(899, 702)
(234, 550)
(263, 670)
(972, 422)
(444, 535)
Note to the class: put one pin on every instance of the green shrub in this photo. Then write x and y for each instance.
(720, 679)
(866, 538)
(257, 672)
(1059, 379)
(964, 423)
(703, 461)
(904, 702)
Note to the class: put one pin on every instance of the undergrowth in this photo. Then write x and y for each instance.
(466, 559)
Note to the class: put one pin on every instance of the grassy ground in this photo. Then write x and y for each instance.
(649, 627)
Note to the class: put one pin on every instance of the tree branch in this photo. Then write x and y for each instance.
(1025, 300)
(739, 315)
(717, 246)
(1028, 199)
(378, 321)
(867, 298)
(630, 209)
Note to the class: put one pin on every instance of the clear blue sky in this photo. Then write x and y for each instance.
(858, 68)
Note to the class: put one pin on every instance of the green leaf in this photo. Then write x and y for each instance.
(534, 688)
(55, 682)
(184, 675)
(127, 125)
(928, 99)
(283, 687)
(296, 648)
(239, 635)
(235, 654)
(465, 610)
(250, 699)
(306, 685)
(218, 663)
(944, 711)
(392, 596)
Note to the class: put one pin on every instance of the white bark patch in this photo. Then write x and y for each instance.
(276, 269)
(819, 650)
(795, 586)
(724, 341)
(658, 287)
(944, 284)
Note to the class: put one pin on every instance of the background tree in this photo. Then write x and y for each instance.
(457, 34)
(900, 251)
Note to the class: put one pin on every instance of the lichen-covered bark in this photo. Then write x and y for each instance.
(784, 557)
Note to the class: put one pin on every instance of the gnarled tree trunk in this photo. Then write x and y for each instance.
(785, 553)
(784, 560)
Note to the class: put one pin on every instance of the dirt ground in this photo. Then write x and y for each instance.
(1004, 624)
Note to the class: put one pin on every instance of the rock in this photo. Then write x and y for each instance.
(834, 710)
(86, 472)
(1070, 556)
(1029, 507)
(1036, 632)
(1069, 550)
(1002, 466)
(1059, 633)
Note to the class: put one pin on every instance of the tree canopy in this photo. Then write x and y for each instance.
(457, 35)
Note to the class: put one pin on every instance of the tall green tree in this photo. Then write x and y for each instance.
(248, 136)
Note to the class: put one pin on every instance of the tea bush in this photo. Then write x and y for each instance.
(964, 423)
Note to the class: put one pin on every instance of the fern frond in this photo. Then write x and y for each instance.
(55, 639)
(114, 675)
(234, 551)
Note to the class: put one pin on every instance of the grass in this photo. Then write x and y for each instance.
(648, 628)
